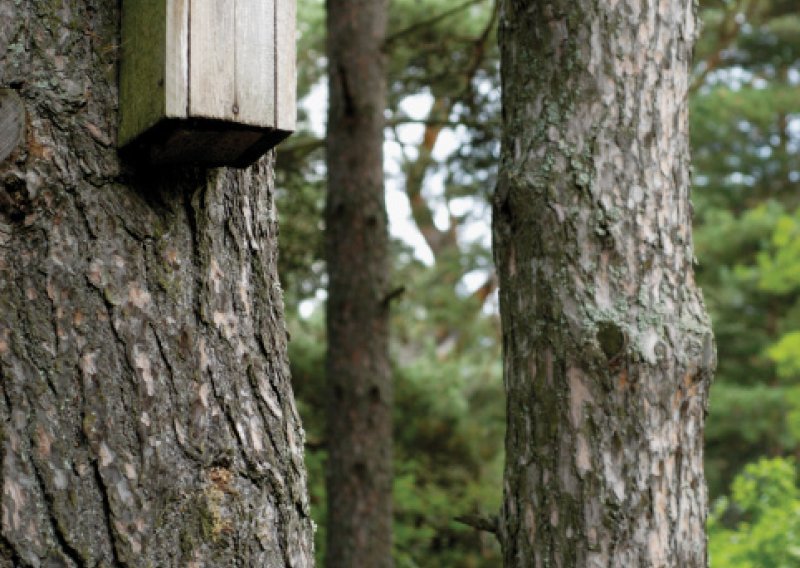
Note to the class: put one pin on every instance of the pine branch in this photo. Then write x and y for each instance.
(417, 26)
(490, 523)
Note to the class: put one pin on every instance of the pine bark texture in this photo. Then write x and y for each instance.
(146, 417)
(608, 353)
(360, 391)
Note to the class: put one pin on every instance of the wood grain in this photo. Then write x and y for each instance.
(177, 59)
(286, 17)
(212, 52)
(255, 62)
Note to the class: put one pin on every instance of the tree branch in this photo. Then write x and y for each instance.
(393, 295)
(490, 523)
(430, 22)
(417, 171)
(729, 30)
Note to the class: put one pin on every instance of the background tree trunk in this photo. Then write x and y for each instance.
(608, 351)
(359, 376)
(147, 413)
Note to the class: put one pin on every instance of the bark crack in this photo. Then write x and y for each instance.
(170, 369)
(261, 412)
(6, 397)
(256, 474)
(108, 514)
(26, 356)
(58, 530)
(7, 545)
(125, 359)
(197, 263)
(347, 95)
(190, 453)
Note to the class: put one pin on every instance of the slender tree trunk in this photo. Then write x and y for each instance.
(359, 377)
(608, 350)
(147, 413)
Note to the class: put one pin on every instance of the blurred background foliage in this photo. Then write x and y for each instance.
(441, 154)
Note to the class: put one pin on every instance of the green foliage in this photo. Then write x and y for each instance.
(786, 353)
(746, 227)
(747, 422)
(759, 525)
(448, 420)
(779, 266)
(449, 406)
(447, 464)
(757, 255)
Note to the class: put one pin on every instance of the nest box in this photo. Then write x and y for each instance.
(206, 81)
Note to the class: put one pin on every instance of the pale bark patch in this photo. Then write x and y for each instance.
(216, 276)
(12, 506)
(43, 442)
(267, 397)
(583, 455)
(203, 392)
(579, 395)
(106, 455)
(255, 434)
(244, 289)
(227, 323)
(137, 296)
(144, 367)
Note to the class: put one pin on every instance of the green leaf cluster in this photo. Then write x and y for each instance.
(745, 143)
(759, 525)
(448, 421)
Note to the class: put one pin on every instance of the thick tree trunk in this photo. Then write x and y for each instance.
(608, 350)
(359, 376)
(147, 413)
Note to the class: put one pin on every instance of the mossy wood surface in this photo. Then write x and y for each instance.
(143, 67)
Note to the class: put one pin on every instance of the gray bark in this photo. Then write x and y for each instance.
(147, 413)
(360, 393)
(608, 353)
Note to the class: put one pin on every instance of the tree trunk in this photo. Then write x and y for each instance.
(608, 352)
(359, 376)
(147, 413)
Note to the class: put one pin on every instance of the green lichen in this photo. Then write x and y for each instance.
(213, 522)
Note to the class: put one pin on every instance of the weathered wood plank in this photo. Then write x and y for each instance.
(255, 62)
(177, 55)
(142, 74)
(212, 52)
(286, 77)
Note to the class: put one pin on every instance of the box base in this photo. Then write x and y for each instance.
(201, 141)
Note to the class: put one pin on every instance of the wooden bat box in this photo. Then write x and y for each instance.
(207, 82)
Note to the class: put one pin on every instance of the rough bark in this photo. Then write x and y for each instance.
(147, 413)
(359, 377)
(608, 353)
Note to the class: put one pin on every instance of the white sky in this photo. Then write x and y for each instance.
(401, 224)
(398, 207)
